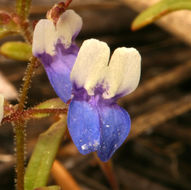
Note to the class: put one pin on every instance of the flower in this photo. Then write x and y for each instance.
(54, 45)
(1, 107)
(95, 122)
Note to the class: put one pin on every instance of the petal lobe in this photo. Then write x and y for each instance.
(115, 126)
(83, 125)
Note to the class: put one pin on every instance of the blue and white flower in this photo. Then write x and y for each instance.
(95, 122)
(94, 83)
(54, 46)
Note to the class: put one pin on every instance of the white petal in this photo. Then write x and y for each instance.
(1, 107)
(44, 37)
(124, 72)
(7, 89)
(91, 64)
(69, 24)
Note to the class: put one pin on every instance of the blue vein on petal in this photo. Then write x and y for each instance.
(58, 68)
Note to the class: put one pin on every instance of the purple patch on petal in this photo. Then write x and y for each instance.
(58, 68)
(82, 95)
(75, 35)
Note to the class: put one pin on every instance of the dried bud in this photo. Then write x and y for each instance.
(16, 19)
(19, 21)
(5, 18)
(55, 12)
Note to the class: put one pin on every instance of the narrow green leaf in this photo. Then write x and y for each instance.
(52, 103)
(23, 7)
(158, 10)
(49, 188)
(43, 155)
(16, 50)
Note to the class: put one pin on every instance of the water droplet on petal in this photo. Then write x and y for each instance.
(96, 143)
(104, 147)
(84, 147)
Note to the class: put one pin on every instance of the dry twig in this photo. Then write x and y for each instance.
(108, 171)
(63, 177)
(160, 115)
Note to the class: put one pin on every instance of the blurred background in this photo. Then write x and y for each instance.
(157, 154)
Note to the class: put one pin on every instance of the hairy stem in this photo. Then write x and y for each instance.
(27, 80)
(23, 7)
(27, 114)
(22, 10)
(26, 31)
(19, 128)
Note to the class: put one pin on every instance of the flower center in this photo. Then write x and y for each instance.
(81, 94)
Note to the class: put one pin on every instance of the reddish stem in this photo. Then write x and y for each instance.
(25, 114)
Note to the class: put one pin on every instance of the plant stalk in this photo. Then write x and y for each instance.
(19, 128)
(23, 8)
(27, 114)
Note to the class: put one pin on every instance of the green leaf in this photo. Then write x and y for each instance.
(158, 10)
(43, 155)
(16, 50)
(52, 103)
(49, 188)
(23, 7)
